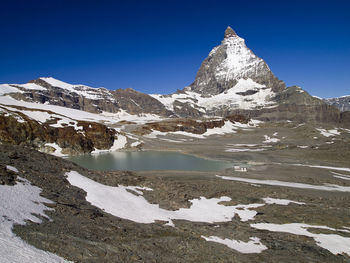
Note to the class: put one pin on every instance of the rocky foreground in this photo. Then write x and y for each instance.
(78, 231)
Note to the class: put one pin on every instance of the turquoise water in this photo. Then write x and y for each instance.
(148, 160)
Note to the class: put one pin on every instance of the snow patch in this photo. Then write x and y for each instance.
(328, 187)
(252, 246)
(11, 168)
(58, 149)
(19, 203)
(329, 133)
(5, 89)
(270, 201)
(336, 244)
(138, 209)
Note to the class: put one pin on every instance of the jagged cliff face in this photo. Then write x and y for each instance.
(229, 62)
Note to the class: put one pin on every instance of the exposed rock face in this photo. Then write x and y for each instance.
(227, 63)
(342, 103)
(135, 102)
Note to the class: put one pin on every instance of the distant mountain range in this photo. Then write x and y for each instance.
(342, 103)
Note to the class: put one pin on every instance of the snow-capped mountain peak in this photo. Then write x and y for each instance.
(227, 63)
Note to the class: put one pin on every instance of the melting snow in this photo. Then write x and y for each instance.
(138, 209)
(270, 201)
(58, 149)
(234, 150)
(19, 203)
(341, 176)
(252, 246)
(324, 167)
(11, 168)
(336, 244)
(268, 139)
(329, 133)
(118, 144)
(328, 187)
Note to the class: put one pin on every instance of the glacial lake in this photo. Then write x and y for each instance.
(148, 160)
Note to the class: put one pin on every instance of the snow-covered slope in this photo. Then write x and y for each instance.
(245, 94)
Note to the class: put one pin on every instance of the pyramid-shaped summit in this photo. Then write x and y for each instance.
(229, 62)
(229, 32)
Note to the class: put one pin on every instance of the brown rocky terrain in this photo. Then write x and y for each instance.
(17, 128)
(81, 232)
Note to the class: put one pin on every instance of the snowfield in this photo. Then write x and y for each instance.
(18, 204)
(229, 98)
(336, 244)
(138, 209)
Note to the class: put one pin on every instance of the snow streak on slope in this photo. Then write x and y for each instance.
(326, 187)
(19, 203)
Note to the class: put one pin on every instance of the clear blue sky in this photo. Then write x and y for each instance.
(158, 46)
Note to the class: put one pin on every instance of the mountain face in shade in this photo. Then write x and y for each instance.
(229, 62)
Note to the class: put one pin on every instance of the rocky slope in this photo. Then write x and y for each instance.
(56, 134)
(342, 103)
(96, 100)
